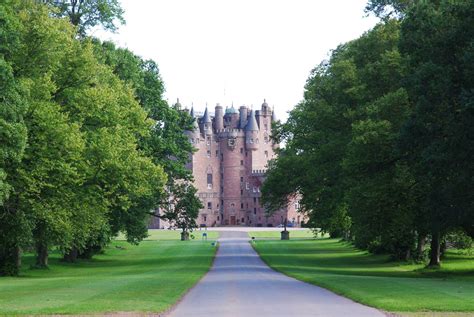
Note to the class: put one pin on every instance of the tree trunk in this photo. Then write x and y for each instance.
(435, 249)
(443, 248)
(420, 247)
(71, 255)
(18, 257)
(184, 236)
(41, 254)
(10, 260)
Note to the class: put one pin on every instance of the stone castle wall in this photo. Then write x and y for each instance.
(229, 167)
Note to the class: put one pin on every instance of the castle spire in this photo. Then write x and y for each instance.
(206, 118)
(252, 122)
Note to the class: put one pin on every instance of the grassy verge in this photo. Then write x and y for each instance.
(373, 279)
(150, 277)
(275, 234)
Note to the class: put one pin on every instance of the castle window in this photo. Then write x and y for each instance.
(241, 162)
(266, 127)
(242, 206)
(255, 212)
(209, 180)
(255, 199)
(256, 140)
(246, 153)
(208, 153)
(247, 186)
(241, 179)
(222, 157)
(241, 150)
(254, 189)
(222, 189)
(243, 220)
(217, 153)
(209, 206)
(241, 192)
(266, 154)
(251, 140)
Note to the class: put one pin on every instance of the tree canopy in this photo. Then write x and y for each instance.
(379, 146)
(87, 141)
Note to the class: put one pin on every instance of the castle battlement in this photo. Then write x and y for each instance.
(233, 148)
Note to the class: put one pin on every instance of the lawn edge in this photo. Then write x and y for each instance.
(386, 312)
(173, 307)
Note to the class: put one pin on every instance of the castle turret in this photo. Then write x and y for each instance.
(177, 105)
(206, 123)
(243, 117)
(251, 132)
(219, 117)
(274, 117)
(265, 107)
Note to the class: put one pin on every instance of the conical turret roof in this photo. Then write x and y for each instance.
(252, 122)
(274, 117)
(206, 118)
(195, 122)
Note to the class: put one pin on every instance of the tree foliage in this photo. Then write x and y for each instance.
(86, 14)
(75, 168)
(379, 148)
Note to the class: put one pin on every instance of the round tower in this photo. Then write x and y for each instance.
(243, 117)
(265, 107)
(251, 132)
(219, 117)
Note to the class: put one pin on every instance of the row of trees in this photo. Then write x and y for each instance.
(381, 147)
(88, 146)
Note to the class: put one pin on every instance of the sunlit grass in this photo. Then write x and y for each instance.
(150, 277)
(373, 279)
(294, 234)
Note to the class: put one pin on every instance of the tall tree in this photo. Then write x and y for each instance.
(438, 38)
(86, 14)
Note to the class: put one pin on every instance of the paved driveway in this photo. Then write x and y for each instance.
(241, 284)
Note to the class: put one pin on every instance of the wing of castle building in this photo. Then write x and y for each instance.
(233, 148)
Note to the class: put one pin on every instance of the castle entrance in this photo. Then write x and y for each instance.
(232, 220)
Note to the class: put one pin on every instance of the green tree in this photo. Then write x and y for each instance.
(83, 177)
(183, 208)
(86, 14)
(437, 37)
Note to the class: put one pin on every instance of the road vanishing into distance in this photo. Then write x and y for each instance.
(241, 284)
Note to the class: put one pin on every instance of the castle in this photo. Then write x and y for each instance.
(232, 151)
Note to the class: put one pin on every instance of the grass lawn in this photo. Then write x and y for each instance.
(150, 277)
(372, 279)
(160, 234)
(275, 234)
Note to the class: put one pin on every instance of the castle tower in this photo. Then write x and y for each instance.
(243, 117)
(232, 153)
(219, 118)
(251, 132)
(206, 123)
